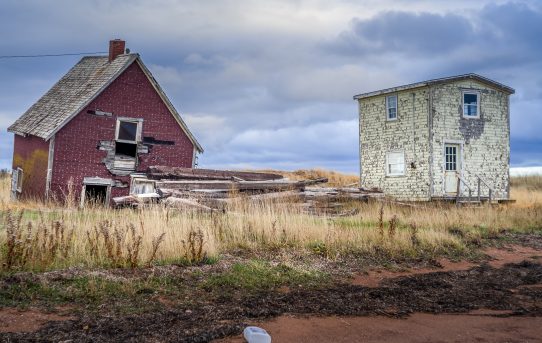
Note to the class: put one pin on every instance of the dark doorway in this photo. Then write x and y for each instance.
(95, 195)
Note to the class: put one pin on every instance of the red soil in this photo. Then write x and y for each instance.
(418, 327)
(512, 254)
(14, 320)
(482, 325)
(499, 257)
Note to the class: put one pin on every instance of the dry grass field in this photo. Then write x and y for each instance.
(38, 236)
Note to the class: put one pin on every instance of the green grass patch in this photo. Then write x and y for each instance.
(259, 275)
(90, 293)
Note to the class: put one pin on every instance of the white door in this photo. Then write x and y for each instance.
(452, 167)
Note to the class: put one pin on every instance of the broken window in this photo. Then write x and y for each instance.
(126, 149)
(471, 104)
(128, 135)
(127, 131)
(391, 107)
(395, 163)
(142, 186)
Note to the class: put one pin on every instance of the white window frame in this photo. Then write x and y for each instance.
(20, 178)
(388, 107)
(143, 179)
(139, 123)
(478, 99)
(388, 173)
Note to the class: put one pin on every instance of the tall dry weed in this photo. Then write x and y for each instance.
(35, 245)
(193, 246)
(96, 236)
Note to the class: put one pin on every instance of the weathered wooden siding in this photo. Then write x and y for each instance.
(409, 133)
(486, 140)
(77, 154)
(30, 153)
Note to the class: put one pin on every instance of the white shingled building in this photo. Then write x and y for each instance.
(446, 138)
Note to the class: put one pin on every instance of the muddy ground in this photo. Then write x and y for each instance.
(506, 296)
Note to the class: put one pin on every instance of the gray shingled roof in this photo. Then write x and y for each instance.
(473, 76)
(75, 90)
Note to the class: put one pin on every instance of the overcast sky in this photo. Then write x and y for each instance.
(269, 84)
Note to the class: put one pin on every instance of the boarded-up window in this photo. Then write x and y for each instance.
(395, 164)
(17, 179)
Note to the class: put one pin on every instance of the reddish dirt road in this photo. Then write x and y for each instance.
(498, 258)
(416, 328)
(478, 326)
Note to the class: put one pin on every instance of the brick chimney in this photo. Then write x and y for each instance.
(116, 47)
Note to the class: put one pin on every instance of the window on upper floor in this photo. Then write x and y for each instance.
(471, 104)
(395, 163)
(127, 137)
(391, 107)
(128, 131)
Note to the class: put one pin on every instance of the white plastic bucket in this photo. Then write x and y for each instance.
(254, 334)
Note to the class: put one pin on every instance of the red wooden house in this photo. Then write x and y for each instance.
(94, 132)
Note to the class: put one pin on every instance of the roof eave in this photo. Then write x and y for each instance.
(169, 105)
(23, 134)
(390, 90)
(477, 77)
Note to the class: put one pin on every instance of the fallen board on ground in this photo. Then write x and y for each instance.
(237, 185)
(177, 173)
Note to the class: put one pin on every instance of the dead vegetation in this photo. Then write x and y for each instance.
(38, 245)
(45, 236)
(530, 182)
(335, 179)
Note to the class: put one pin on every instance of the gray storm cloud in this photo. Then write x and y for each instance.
(270, 84)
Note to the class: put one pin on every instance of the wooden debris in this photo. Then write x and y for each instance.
(186, 204)
(223, 186)
(177, 173)
(128, 200)
(217, 190)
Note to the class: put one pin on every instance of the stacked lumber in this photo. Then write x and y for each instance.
(178, 173)
(211, 190)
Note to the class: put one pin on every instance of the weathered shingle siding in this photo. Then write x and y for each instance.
(486, 141)
(31, 153)
(408, 133)
(131, 95)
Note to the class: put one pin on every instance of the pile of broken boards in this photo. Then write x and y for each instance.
(216, 190)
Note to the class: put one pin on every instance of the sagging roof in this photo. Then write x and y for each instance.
(75, 90)
(472, 76)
